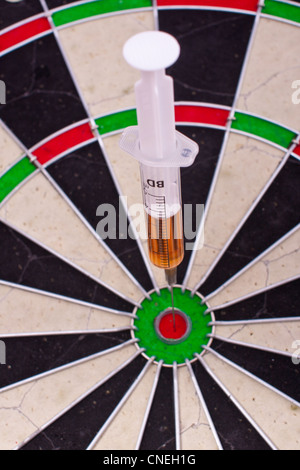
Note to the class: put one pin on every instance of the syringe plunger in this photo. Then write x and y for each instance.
(158, 146)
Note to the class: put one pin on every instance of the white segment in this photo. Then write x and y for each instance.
(271, 72)
(123, 431)
(280, 263)
(196, 433)
(24, 312)
(10, 152)
(279, 335)
(94, 51)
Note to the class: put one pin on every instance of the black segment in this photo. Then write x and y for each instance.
(280, 302)
(26, 263)
(40, 95)
(11, 13)
(28, 356)
(213, 46)
(195, 183)
(160, 432)
(275, 369)
(59, 3)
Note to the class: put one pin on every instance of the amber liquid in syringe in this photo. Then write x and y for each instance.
(165, 240)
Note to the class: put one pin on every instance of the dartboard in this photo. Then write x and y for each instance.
(83, 362)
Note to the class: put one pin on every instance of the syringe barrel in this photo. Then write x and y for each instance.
(163, 208)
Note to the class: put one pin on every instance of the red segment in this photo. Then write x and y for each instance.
(249, 5)
(23, 32)
(297, 150)
(201, 114)
(166, 326)
(63, 142)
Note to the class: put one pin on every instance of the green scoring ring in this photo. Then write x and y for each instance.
(148, 339)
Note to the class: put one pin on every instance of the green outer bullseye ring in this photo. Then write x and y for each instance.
(149, 340)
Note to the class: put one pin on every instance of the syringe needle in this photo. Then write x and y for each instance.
(171, 277)
(173, 313)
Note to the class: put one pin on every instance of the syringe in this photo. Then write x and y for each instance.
(159, 148)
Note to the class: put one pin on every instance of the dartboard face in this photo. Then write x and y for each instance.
(84, 360)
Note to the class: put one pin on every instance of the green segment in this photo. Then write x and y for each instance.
(98, 7)
(15, 176)
(149, 339)
(116, 121)
(262, 128)
(282, 10)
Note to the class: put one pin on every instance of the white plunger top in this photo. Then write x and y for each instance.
(151, 50)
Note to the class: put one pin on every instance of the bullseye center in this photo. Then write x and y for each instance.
(172, 329)
(154, 329)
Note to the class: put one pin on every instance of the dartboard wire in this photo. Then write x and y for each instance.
(206, 8)
(254, 321)
(246, 216)
(203, 405)
(77, 362)
(155, 14)
(75, 210)
(224, 146)
(149, 405)
(12, 164)
(28, 334)
(249, 265)
(83, 303)
(176, 406)
(296, 157)
(251, 375)
(252, 294)
(251, 345)
(120, 404)
(79, 398)
(236, 403)
(280, 20)
(94, 129)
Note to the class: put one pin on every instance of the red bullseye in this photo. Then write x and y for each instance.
(170, 331)
(167, 331)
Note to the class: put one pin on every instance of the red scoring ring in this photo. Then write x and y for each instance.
(166, 326)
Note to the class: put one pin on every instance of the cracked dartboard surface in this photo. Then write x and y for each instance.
(76, 370)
